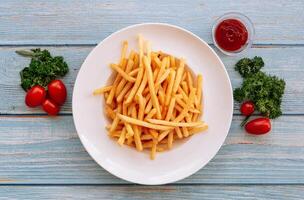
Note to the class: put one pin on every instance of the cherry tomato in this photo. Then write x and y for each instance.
(50, 107)
(35, 96)
(57, 91)
(247, 108)
(258, 126)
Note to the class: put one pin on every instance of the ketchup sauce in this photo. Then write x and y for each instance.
(231, 35)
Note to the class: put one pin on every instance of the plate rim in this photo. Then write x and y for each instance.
(187, 173)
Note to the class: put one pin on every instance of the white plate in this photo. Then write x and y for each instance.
(185, 158)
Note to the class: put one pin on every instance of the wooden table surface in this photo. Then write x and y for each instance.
(42, 157)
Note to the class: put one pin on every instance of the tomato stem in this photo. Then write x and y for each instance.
(245, 120)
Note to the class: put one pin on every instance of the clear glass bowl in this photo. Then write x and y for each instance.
(248, 24)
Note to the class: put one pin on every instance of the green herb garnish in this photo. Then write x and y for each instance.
(264, 90)
(43, 68)
(247, 66)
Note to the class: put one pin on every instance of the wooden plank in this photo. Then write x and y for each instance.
(88, 22)
(214, 192)
(291, 69)
(43, 150)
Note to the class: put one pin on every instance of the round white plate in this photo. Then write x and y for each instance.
(185, 158)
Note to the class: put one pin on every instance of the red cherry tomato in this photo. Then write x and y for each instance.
(57, 91)
(50, 107)
(258, 126)
(35, 96)
(247, 108)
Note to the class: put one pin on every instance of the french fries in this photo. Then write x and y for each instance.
(153, 100)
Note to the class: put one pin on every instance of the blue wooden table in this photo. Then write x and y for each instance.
(42, 157)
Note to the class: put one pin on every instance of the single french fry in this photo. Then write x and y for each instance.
(172, 62)
(161, 69)
(129, 108)
(110, 112)
(185, 131)
(148, 48)
(178, 107)
(151, 113)
(130, 141)
(199, 88)
(131, 55)
(196, 102)
(170, 87)
(153, 150)
(164, 110)
(146, 137)
(124, 91)
(152, 88)
(185, 96)
(116, 119)
(170, 109)
(143, 123)
(185, 110)
(112, 92)
(198, 129)
(137, 140)
(124, 109)
(134, 72)
(175, 124)
(170, 139)
(161, 96)
(163, 134)
(122, 137)
(122, 83)
(102, 90)
(148, 107)
(184, 77)
(195, 117)
(160, 149)
(178, 132)
(178, 78)
(185, 87)
(157, 61)
(165, 84)
(147, 145)
(123, 51)
(141, 109)
(141, 50)
(135, 86)
(163, 77)
(181, 102)
(142, 84)
(115, 134)
(189, 80)
(155, 74)
(136, 61)
(153, 133)
(189, 118)
(122, 73)
(129, 129)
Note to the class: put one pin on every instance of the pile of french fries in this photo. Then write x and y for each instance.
(153, 100)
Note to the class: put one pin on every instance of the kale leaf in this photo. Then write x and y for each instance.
(264, 90)
(42, 69)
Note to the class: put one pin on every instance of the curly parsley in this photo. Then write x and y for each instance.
(264, 90)
(42, 69)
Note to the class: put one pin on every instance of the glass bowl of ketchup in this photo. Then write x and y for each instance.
(233, 33)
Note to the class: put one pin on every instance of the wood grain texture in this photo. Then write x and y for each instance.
(88, 22)
(214, 192)
(43, 150)
(285, 62)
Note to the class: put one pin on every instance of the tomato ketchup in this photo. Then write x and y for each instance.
(231, 35)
